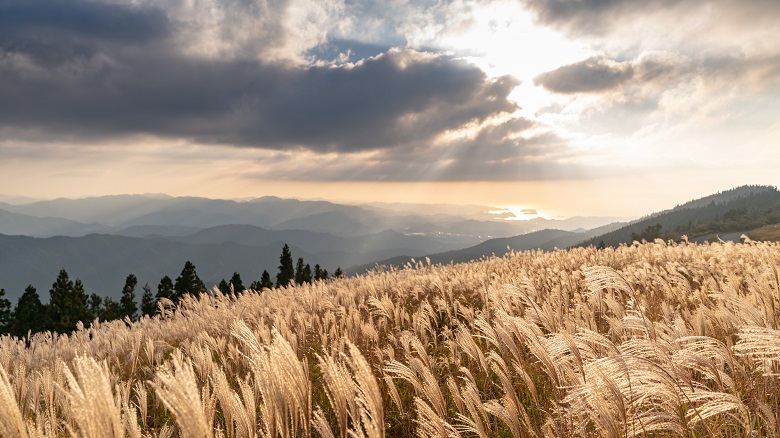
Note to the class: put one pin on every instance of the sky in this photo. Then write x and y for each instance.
(566, 107)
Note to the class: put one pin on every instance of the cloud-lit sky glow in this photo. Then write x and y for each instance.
(592, 107)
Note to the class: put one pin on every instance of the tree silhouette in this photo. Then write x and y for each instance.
(148, 303)
(188, 282)
(339, 273)
(95, 304)
(319, 273)
(264, 283)
(29, 316)
(67, 304)
(238, 285)
(235, 282)
(5, 313)
(165, 289)
(286, 270)
(299, 271)
(129, 307)
(111, 310)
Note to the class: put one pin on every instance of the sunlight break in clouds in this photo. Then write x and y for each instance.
(215, 97)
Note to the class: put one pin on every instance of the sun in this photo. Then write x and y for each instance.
(502, 38)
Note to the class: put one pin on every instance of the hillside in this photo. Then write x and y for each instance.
(581, 342)
(102, 262)
(547, 240)
(734, 211)
(26, 225)
(724, 197)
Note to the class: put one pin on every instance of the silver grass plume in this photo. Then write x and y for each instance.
(12, 424)
(179, 392)
(96, 411)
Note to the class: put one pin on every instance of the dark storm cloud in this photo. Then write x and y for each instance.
(599, 17)
(88, 72)
(586, 15)
(54, 31)
(379, 103)
(45, 18)
(590, 75)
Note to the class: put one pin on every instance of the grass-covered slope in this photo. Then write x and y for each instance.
(648, 340)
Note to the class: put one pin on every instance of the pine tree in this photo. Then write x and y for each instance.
(339, 273)
(148, 303)
(165, 289)
(264, 283)
(67, 304)
(29, 316)
(299, 271)
(5, 313)
(95, 304)
(319, 273)
(129, 307)
(307, 276)
(286, 271)
(238, 285)
(224, 287)
(188, 282)
(111, 310)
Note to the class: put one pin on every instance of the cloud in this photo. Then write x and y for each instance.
(600, 17)
(381, 102)
(595, 74)
(657, 88)
(529, 211)
(591, 16)
(258, 76)
(89, 71)
(68, 22)
(53, 33)
(513, 150)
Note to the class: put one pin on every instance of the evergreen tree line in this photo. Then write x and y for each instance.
(69, 303)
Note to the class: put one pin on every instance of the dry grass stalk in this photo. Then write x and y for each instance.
(95, 410)
(654, 338)
(178, 389)
(12, 423)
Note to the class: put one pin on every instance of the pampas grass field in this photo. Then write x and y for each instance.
(653, 339)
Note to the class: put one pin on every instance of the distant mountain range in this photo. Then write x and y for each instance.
(547, 240)
(754, 210)
(134, 215)
(102, 240)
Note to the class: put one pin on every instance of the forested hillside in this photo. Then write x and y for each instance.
(738, 210)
